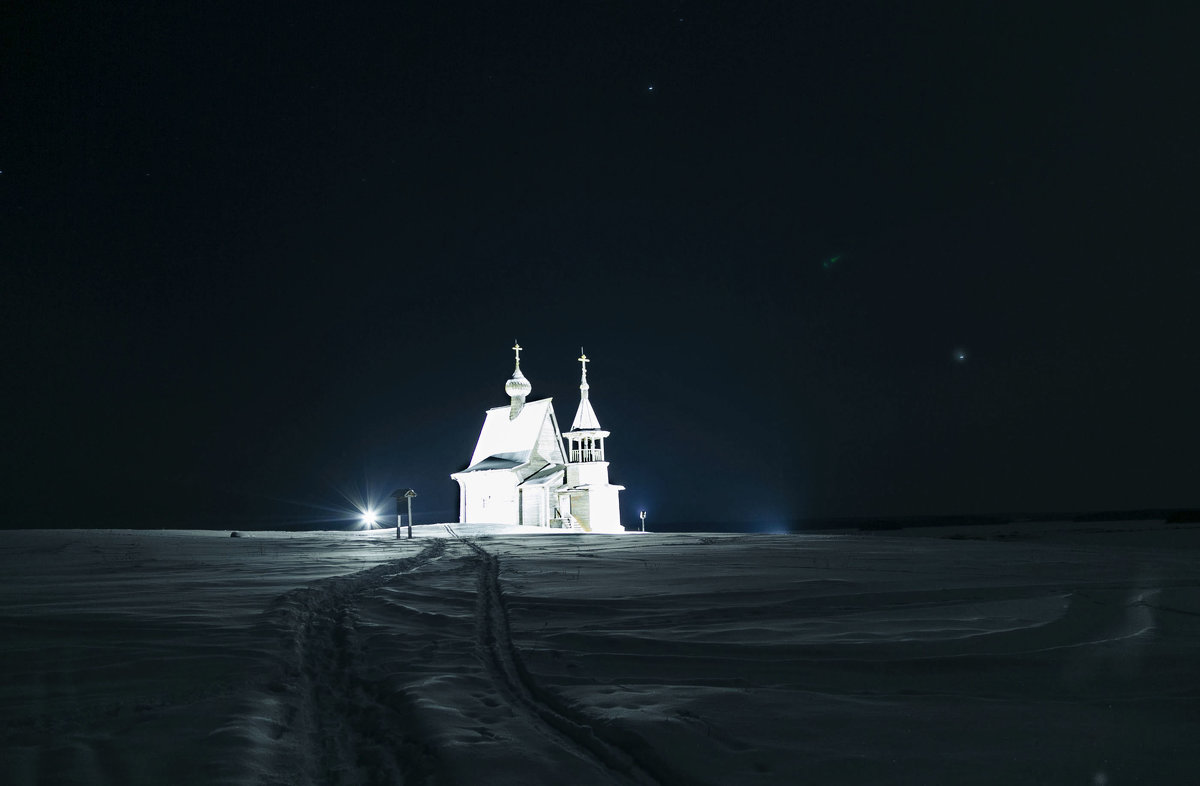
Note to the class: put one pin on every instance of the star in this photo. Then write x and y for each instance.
(960, 355)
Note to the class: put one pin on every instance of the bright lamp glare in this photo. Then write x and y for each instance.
(370, 519)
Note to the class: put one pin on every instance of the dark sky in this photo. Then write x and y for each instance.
(256, 256)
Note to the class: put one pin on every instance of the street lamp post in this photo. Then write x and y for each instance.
(643, 516)
(406, 494)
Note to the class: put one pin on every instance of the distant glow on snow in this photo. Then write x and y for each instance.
(773, 525)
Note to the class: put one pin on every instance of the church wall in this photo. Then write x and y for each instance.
(593, 472)
(605, 509)
(597, 509)
(488, 498)
(580, 508)
(533, 506)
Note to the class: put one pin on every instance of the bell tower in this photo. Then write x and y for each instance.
(588, 497)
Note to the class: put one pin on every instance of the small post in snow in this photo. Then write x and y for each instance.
(643, 515)
(400, 494)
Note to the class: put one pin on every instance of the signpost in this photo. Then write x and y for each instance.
(406, 494)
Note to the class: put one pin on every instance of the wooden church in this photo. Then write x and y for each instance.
(520, 472)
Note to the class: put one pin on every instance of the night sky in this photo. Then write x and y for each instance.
(828, 259)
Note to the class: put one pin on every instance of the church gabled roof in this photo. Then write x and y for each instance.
(509, 442)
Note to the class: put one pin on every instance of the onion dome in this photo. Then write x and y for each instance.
(518, 386)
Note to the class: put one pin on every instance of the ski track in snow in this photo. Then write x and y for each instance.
(347, 730)
(568, 725)
(356, 731)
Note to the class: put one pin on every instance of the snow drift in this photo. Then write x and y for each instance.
(459, 657)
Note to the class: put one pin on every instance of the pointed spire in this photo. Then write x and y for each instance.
(585, 416)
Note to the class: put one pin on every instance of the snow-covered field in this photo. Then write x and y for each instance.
(295, 658)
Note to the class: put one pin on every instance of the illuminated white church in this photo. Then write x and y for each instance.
(520, 473)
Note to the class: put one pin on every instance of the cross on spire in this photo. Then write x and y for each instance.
(517, 349)
(583, 361)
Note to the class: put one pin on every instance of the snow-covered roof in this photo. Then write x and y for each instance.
(497, 462)
(505, 443)
(547, 474)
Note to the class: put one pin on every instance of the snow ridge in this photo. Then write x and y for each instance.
(570, 726)
(339, 727)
